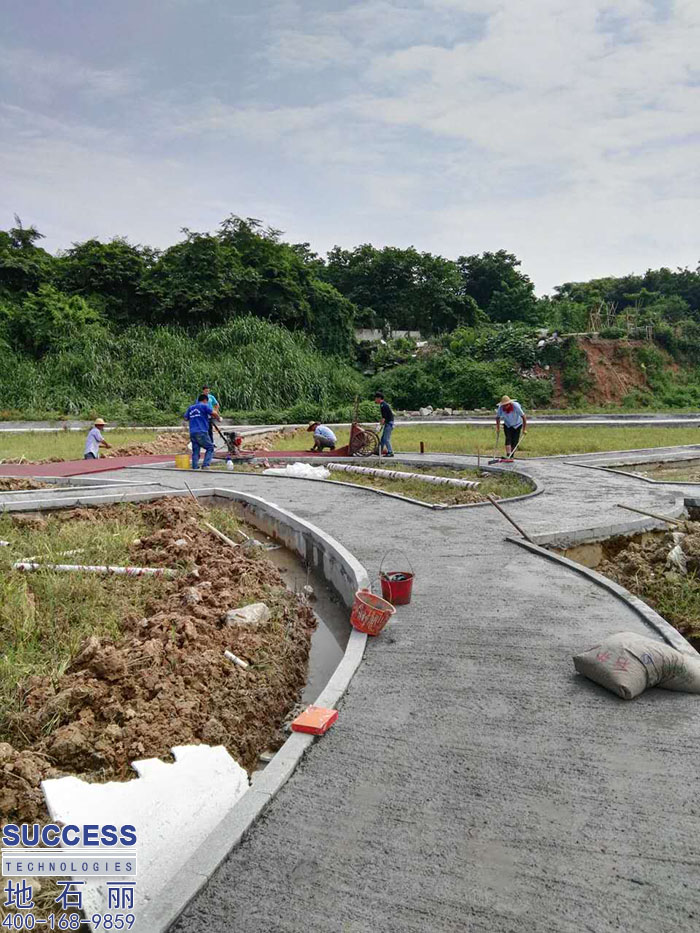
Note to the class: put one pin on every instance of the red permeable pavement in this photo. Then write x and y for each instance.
(80, 467)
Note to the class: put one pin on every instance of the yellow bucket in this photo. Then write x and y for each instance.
(182, 461)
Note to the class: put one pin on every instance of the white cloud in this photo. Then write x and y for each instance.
(42, 75)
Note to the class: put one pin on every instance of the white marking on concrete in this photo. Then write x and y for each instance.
(174, 807)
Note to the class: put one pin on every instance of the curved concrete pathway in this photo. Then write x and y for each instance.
(473, 782)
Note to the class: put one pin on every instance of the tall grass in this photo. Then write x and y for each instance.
(140, 373)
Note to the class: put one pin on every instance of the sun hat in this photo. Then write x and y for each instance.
(506, 400)
(100, 421)
(312, 424)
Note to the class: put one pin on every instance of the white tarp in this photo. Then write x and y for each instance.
(299, 471)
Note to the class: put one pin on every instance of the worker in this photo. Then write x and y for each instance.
(198, 418)
(510, 412)
(386, 425)
(323, 436)
(94, 441)
(213, 401)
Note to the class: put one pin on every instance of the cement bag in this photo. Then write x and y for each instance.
(627, 663)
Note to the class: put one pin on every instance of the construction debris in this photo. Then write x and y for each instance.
(254, 614)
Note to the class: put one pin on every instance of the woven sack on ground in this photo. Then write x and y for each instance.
(627, 663)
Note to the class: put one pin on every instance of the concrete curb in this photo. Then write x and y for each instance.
(630, 527)
(645, 612)
(538, 487)
(201, 865)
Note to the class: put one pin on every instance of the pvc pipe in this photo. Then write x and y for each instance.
(239, 662)
(399, 474)
(221, 535)
(106, 569)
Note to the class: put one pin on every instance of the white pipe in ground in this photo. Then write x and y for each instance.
(399, 474)
(86, 568)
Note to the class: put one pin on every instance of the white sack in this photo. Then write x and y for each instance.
(627, 663)
(299, 470)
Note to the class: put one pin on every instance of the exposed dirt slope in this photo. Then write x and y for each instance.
(166, 681)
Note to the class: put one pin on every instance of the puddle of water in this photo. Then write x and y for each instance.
(330, 639)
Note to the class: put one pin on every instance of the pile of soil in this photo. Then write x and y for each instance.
(172, 442)
(644, 567)
(10, 484)
(165, 682)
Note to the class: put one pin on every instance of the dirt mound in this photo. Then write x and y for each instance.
(172, 442)
(668, 582)
(165, 682)
(10, 484)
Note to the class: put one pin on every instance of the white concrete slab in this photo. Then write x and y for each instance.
(174, 807)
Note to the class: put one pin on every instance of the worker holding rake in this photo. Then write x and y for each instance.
(514, 421)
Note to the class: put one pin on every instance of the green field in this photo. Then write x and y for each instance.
(66, 445)
(540, 440)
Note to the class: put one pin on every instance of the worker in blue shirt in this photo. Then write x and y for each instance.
(198, 417)
(214, 402)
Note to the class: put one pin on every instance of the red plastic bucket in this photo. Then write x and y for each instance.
(370, 613)
(397, 585)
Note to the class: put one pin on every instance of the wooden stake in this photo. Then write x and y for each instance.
(422, 447)
(661, 518)
(507, 516)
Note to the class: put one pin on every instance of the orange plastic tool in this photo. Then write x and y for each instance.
(315, 719)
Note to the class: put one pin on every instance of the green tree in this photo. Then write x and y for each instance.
(402, 288)
(498, 287)
(24, 266)
(110, 275)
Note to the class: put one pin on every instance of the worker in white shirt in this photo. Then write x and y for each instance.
(323, 436)
(94, 441)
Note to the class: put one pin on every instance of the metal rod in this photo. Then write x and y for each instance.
(507, 516)
(661, 518)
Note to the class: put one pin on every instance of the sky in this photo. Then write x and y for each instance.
(564, 131)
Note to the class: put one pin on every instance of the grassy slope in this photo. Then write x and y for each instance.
(540, 441)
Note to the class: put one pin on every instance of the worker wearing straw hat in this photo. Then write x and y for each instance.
(94, 441)
(514, 421)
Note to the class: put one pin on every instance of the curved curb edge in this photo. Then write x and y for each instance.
(345, 573)
(637, 605)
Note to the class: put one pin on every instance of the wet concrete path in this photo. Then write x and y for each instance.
(473, 782)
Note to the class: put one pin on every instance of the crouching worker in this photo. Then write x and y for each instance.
(514, 421)
(323, 436)
(94, 441)
(197, 416)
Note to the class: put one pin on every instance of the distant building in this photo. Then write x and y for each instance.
(375, 334)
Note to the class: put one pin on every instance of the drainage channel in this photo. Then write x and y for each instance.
(330, 639)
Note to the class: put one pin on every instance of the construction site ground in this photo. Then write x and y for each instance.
(473, 781)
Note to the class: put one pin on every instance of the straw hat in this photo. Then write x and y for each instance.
(312, 425)
(506, 400)
(100, 421)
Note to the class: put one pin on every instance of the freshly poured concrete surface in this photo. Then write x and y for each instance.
(473, 781)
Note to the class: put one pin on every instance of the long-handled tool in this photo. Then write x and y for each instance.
(506, 459)
(510, 459)
(496, 458)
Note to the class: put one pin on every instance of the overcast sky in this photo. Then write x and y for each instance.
(565, 131)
